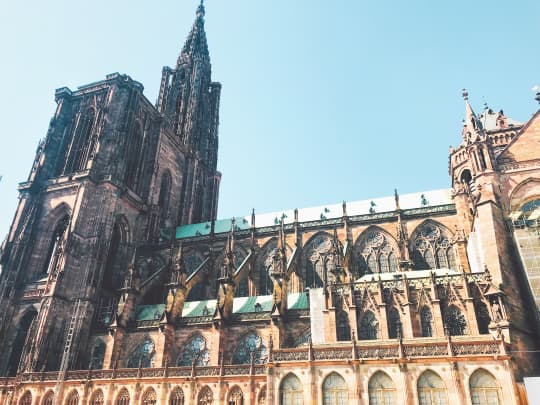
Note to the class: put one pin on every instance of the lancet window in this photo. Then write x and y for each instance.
(73, 398)
(81, 144)
(455, 322)
(143, 355)
(149, 397)
(335, 390)
(133, 155)
(426, 321)
(26, 399)
(432, 248)
(266, 264)
(317, 256)
(376, 252)
(164, 197)
(394, 323)
(431, 389)
(381, 389)
(206, 397)
(177, 397)
(251, 346)
(97, 398)
(343, 327)
(48, 398)
(236, 396)
(122, 398)
(484, 388)
(195, 351)
(54, 251)
(291, 391)
(368, 327)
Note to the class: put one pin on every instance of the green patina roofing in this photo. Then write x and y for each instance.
(298, 301)
(193, 309)
(221, 226)
(244, 305)
(150, 312)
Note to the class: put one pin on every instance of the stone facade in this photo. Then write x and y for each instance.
(120, 285)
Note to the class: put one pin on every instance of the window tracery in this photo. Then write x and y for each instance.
(376, 253)
(369, 327)
(335, 390)
(143, 355)
(432, 248)
(266, 265)
(250, 346)
(177, 397)
(48, 398)
(55, 248)
(149, 397)
(206, 397)
(195, 351)
(381, 389)
(431, 389)
(484, 388)
(97, 398)
(133, 166)
(26, 399)
(455, 322)
(236, 396)
(98, 355)
(122, 398)
(73, 398)
(426, 321)
(81, 143)
(290, 391)
(317, 257)
(394, 323)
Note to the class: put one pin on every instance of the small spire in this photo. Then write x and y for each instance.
(396, 198)
(472, 127)
(537, 98)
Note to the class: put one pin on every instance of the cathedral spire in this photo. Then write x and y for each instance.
(472, 127)
(196, 45)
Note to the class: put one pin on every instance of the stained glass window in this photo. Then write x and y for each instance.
(317, 253)
(376, 253)
(250, 345)
(432, 248)
(236, 397)
(149, 397)
(177, 397)
(143, 355)
(484, 388)
(426, 321)
(26, 399)
(394, 323)
(431, 389)
(98, 355)
(72, 398)
(122, 398)
(455, 322)
(369, 327)
(205, 397)
(335, 390)
(381, 389)
(371, 264)
(97, 398)
(195, 350)
(291, 391)
(393, 262)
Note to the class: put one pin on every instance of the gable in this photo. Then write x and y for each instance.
(526, 145)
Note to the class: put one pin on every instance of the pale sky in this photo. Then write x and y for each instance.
(322, 101)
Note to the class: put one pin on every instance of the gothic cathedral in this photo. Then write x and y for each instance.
(120, 286)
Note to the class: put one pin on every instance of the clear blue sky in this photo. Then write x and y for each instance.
(322, 101)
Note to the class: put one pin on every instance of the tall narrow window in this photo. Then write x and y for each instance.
(384, 266)
(455, 322)
(484, 388)
(53, 253)
(26, 399)
(81, 143)
(164, 196)
(48, 398)
(236, 396)
(205, 397)
(19, 343)
(122, 398)
(291, 391)
(149, 397)
(381, 389)
(369, 327)
(177, 397)
(426, 321)
(113, 278)
(143, 355)
(73, 398)
(343, 327)
(98, 355)
(335, 390)
(482, 316)
(394, 323)
(431, 389)
(97, 398)
(316, 254)
(133, 157)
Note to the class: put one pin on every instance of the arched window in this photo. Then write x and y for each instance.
(381, 389)
(484, 388)
(266, 264)
(343, 327)
(26, 399)
(376, 251)
(51, 260)
(482, 317)
(195, 350)
(81, 143)
(431, 248)
(98, 355)
(426, 321)
(48, 398)
(134, 158)
(262, 396)
(250, 346)
(206, 397)
(369, 327)
(431, 389)
(394, 323)
(19, 343)
(97, 398)
(291, 391)
(72, 398)
(113, 277)
(122, 398)
(164, 196)
(335, 390)
(143, 355)
(177, 397)
(149, 397)
(236, 396)
(317, 252)
(455, 322)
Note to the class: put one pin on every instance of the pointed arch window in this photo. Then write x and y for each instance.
(82, 143)
(164, 197)
(455, 321)
(143, 355)
(335, 390)
(98, 355)
(205, 397)
(381, 389)
(432, 248)
(250, 346)
(262, 396)
(97, 398)
(133, 157)
(122, 398)
(53, 254)
(483, 317)
(484, 388)
(73, 398)
(431, 389)
(48, 398)
(266, 263)
(343, 327)
(369, 327)
(291, 391)
(394, 323)
(177, 397)
(24, 327)
(26, 399)
(317, 254)
(426, 321)
(149, 397)
(113, 278)
(195, 351)
(376, 253)
(236, 396)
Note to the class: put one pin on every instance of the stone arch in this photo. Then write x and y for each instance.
(250, 345)
(430, 246)
(290, 390)
(48, 398)
(524, 192)
(72, 398)
(334, 389)
(484, 388)
(381, 389)
(205, 396)
(149, 397)
(375, 251)
(177, 396)
(235, 396)
(123, 397)
(97, 397)
(314, 260)
(26, 398)
(431, 389)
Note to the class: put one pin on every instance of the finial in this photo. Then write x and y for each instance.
(537, 98)
(465, 94)
(396, 198)
(200, 9)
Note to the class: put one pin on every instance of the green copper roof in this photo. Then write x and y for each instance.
(221, 226)
(150, 312)
(194, 309)
(244, 305)
(297, 301)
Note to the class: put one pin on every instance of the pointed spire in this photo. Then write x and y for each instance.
(196, 44)
(396, 198)
(472, 127)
